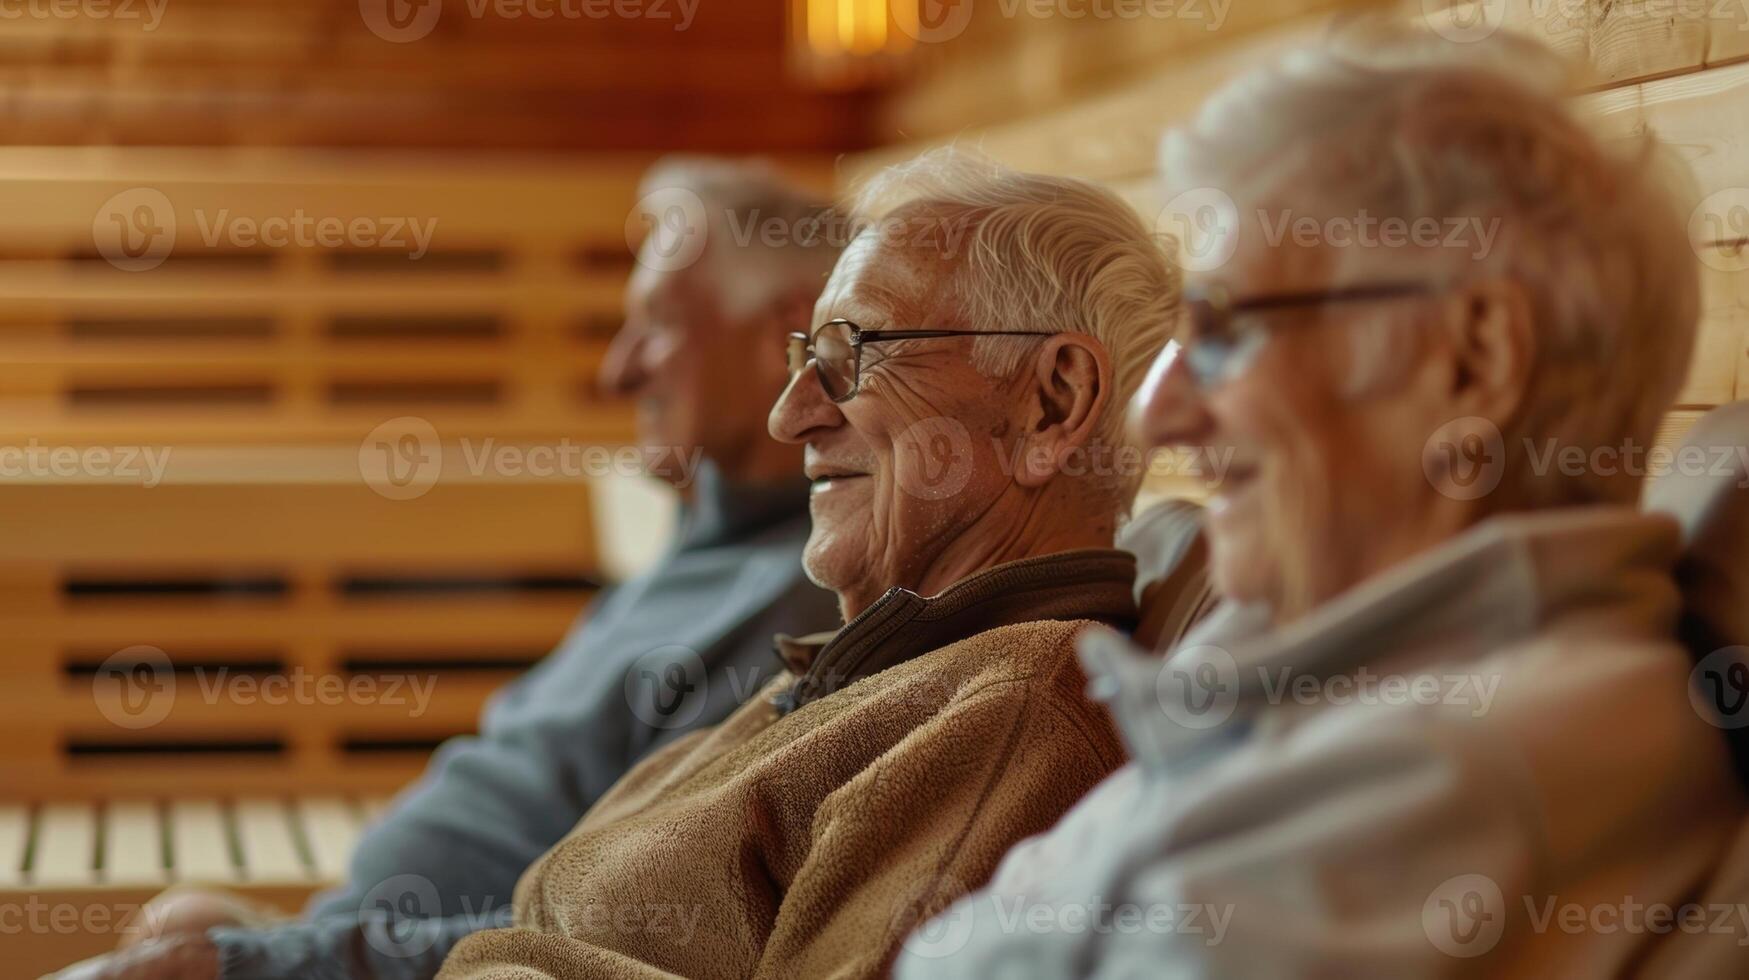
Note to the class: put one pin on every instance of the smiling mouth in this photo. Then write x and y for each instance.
(826, 481)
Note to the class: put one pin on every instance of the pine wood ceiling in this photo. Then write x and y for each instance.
(490, 75)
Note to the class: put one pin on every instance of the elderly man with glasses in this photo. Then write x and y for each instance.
(959, 403)
(1443, 725)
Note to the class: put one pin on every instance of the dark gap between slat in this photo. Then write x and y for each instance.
(378, 586)
(483, 326)
(80, 748)
(380, 260)
(393, 393)
(389, 746)
(89, 587)
(171, 328)
(124, 396)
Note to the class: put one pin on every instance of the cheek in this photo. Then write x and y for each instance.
(1285, 426)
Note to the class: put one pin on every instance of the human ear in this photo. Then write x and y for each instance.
(1068, 384)
(1493, 347)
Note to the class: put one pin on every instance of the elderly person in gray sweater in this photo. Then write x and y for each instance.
(671, 651)
(1443, 724)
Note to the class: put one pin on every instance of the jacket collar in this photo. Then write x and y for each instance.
(1605, 569)
(1095, 584)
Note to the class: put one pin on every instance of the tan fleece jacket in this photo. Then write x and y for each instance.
(809, 834)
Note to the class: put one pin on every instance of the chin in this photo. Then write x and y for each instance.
(1238, 571)
(825, 559)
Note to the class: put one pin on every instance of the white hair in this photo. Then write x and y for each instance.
(747, 265)
(1044, 254)
(1407, 126)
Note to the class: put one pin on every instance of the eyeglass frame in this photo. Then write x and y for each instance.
(1218, 305)
(859, 337)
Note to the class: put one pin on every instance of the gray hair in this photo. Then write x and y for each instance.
(1411, 127)
(764, 234)
(1042, 253)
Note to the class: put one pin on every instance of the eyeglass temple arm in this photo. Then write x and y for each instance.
(1352, 294)
(866, 336)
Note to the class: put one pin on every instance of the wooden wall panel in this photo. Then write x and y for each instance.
(259, 537)
(1609, 43)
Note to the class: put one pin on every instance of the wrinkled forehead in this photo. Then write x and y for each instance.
(888, 278)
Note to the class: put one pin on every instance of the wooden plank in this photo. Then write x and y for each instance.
(200, 842)
(331, 828)
(1114, 135)
(1047, 62)
(51, 194)
(14, 840)
(1722, 348)
(1609, 43)
(66, 845)
(57, 289)
(1703, 117)
(1729, 38)
(264, 834)
(133, 844)
(491, 526)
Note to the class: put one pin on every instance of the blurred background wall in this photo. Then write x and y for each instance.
(276, 276)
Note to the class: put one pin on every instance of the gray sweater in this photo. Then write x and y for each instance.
(663, 654)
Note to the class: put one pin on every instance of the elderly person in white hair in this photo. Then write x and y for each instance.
(1442, 717)
(959, 399)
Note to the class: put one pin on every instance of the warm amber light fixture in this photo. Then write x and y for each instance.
(845, 43)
